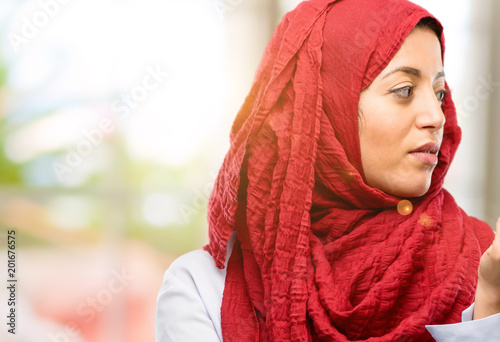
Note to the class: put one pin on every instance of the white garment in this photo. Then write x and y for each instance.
(189, 301)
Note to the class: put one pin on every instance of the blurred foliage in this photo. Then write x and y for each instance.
(10, 173)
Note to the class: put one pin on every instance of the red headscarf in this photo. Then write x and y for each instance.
(319, 254)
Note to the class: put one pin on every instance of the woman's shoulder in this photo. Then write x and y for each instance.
(197, 263)
(195, 273)
(195, 266)
(190, 298)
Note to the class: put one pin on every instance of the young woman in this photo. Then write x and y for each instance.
(328, 220)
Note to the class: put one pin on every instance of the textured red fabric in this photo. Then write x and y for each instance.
(320, 255)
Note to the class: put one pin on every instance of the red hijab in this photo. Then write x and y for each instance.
(320, 255)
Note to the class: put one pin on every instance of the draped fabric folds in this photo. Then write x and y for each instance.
(320, 255)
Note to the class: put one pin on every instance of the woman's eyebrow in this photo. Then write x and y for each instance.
(439, 75)
(411, 71)
(406, 70)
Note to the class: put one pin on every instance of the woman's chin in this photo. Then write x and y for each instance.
(413, 190)
(408, 186)
(412, 193)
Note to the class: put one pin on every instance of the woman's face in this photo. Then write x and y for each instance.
(401, 120)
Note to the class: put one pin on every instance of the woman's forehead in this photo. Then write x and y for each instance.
(419, 55)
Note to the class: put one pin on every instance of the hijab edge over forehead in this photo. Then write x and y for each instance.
(390, 51)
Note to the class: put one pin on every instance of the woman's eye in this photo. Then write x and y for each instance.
(440, 95)
(404, 92)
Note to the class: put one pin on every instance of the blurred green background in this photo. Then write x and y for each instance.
(114, 119)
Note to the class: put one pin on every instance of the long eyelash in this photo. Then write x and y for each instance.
(411, 88)
(445, 93)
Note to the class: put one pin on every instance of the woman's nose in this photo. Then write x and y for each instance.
(430, 115)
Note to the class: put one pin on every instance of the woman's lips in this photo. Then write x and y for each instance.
(428, 158)
(427, 153)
